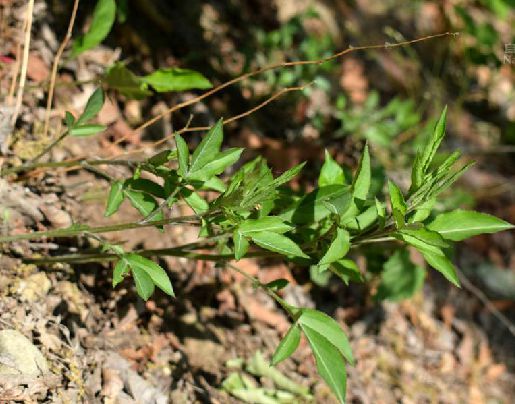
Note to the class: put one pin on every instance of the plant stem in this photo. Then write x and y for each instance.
(49, 147)
(257, 283)
(67, 163)
(181, 251)
(77, 230)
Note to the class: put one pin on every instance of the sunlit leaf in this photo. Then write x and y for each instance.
(208, 148)
(331, 172)
(86, 130)
(329, 328)
(273, 224)
(93, 106)
(155, 272)
(183, 154)
(461, 224)
(361, 184)
(277, 243)
(120, 270)
(115, 198)
(144, 284)
(176, 79)
(288, 345)
(101, 23)
(241, 245)
(399, 206)
(330, 364)
(338, 247)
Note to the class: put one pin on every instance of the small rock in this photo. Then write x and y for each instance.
(18, 356)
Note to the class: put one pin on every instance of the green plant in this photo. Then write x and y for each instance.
(254, 214)
(379, 125)
(257, 215)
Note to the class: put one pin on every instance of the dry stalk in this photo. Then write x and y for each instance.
(25, 61)
(55, 66)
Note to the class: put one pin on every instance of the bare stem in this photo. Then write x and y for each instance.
(82, 229)
(283, 65)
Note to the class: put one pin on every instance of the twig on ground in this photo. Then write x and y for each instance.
(55, 66)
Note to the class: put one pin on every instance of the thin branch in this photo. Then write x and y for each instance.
(49, 147)
(25, 62)
(72, 163)
(257, 283)
(187, 127)
(78, 230)
(283, 65)
(55, 66)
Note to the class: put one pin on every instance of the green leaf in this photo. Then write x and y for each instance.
(423, 211)
(86, 130)
(287, 175)
(277, 284)
(400, 278)
(194, 201)
(272, 224)
(277, 243)
(93, 106)
(214, 183)
(69, 119)
(287, 346)
(115, 198)
(208, 147)
(144, 284)
(155, 272)
(347, 270)
(434, 142)
(381, 213)
(319, 275)
(101, 23)
(217, 165)
(241, 245)
(363, 220)
(329, 362)
(320, 203)
(176, 79)
(442, 264)
(330, 330)
(399, 206)
(121, 79)
(331, 172)
(338, 248)
(426, 236)
(417, 173)
(146, 185)
(461, 224)
(161, 157)
(120, 270)
(361, 184)
(143, 202)
(183, 154)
